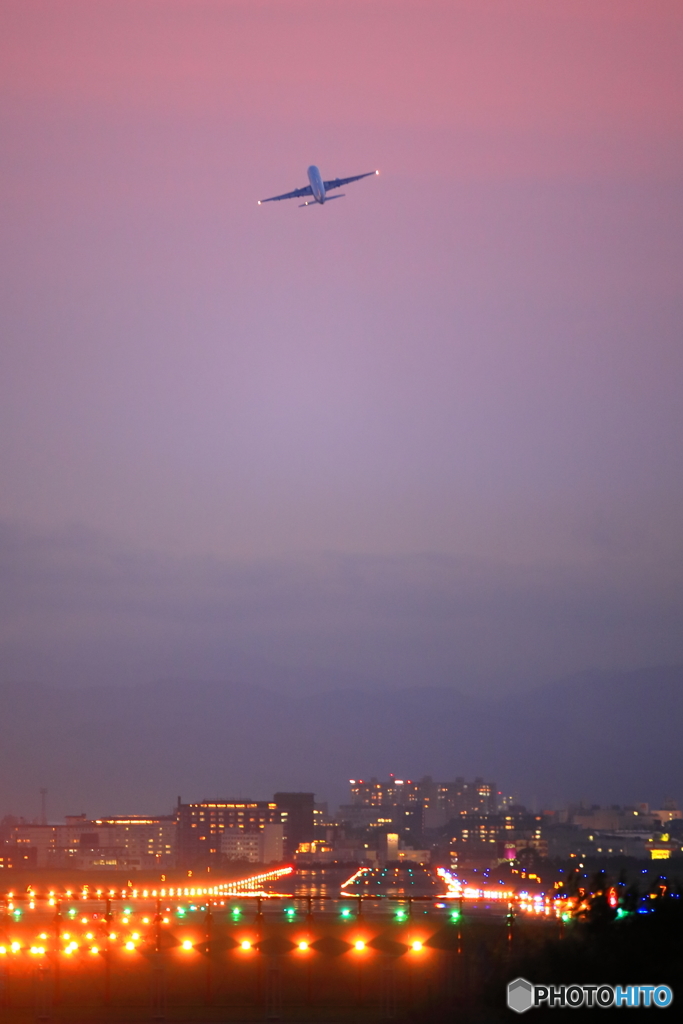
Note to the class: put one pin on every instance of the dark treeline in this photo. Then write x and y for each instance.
(624, 945)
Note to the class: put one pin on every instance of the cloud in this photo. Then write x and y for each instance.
(80, 608)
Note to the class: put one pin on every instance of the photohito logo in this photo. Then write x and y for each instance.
(523, 996)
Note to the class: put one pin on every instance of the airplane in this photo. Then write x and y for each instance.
(317, 188)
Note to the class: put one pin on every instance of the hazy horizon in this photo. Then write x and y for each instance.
(426, 435)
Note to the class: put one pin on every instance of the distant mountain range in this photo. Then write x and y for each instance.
(598, 737)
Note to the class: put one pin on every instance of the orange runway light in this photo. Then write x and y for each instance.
(303, 945)
(187, 944)
(245, 944)
(359, 945)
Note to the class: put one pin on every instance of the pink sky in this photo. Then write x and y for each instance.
(477, 354)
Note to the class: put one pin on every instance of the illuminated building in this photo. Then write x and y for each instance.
(262, 847)
(126, 842)
(317, 852)
(202, 825)
(391, 846)
(440, 801)
(670, 812)
(407, 819)
(241, 846)
(494, 837)
(146, 838)
(16, 857)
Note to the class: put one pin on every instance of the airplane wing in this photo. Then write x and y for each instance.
(338, 182)
(307, 191)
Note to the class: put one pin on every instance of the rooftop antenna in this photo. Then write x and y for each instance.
(43, 807)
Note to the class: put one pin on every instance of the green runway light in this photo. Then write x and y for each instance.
(236, 911)
(180, 912)
(290, 911)
(72, 913)
(400, 915)
(17, 913)
(455, 915)
(346, 912)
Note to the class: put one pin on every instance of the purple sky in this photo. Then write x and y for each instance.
(436, 425)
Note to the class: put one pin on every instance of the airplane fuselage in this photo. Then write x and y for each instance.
(317, 189)
(315, 180)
